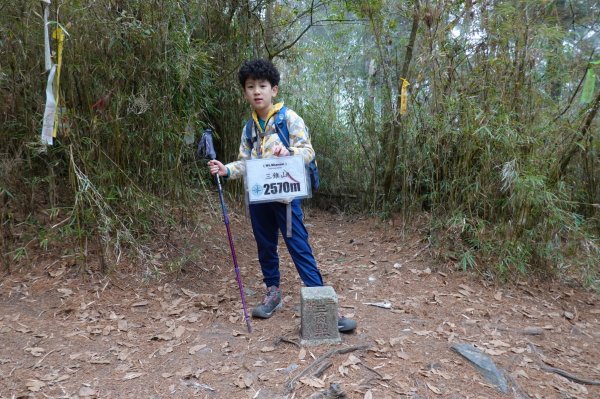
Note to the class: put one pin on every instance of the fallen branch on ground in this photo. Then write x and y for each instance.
(317, 363)
(570, 376)
(287, 340)
(560, 372)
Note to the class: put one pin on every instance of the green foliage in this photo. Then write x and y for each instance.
(491, 115)
(136, 77)
(589, 84)
(491, 118)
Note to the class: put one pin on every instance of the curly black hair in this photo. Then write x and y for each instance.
(258, 69)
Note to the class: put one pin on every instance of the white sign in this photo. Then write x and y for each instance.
(275, 179)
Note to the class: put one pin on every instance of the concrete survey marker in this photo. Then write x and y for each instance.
(318, 306)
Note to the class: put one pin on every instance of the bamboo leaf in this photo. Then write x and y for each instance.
(588, 87)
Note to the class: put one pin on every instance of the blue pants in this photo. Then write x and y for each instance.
(268, 219)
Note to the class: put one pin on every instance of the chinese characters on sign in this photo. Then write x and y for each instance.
(274, 179)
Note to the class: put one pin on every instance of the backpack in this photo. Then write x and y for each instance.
(284, 136)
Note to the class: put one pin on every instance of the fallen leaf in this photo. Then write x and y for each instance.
(196, 348)
(548, 327)
(521, 373)
(35, 385)
(164, 350)
(442, 374)
(36, 351)
(176, 312)
(184, 372)
(189, 293)
(122, 325)
(498, 295)
(302, 354)
(466, 288)
(351, 360)
(66, 292)
(131, 376)
(179, 331)
(244, 381)
(56, 273)
(267, 349)
(494, 352)
(312, 382)
(434, 389)
(86, 391)
(497, 342)
(124, 354)
(422, 333)
(533, 331)
(192, 318)
(139, 304)
(162, 337)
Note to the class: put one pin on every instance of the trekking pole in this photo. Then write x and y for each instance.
(206, 150)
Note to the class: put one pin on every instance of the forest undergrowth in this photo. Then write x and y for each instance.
(499, 145)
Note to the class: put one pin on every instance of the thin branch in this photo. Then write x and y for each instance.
(312, 3)
(583, 132)
(310, 12)
(576, 90)
(570, 376)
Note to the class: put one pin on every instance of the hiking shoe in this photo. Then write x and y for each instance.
(270, 303)
(345, 324)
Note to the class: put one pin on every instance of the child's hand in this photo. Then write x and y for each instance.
(280, 151)
(217, 167)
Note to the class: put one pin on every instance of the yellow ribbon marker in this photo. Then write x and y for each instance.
(404, 97)
(59, 36)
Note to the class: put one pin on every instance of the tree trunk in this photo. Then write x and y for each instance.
(574, 145)
(393, 144)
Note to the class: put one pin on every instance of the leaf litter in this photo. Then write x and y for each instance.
(109, 338)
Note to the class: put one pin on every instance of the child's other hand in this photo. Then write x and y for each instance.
(280, 151)
(217, 167)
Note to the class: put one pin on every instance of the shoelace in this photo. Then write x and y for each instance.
(269, 296)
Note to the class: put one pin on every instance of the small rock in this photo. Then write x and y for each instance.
(569, 315)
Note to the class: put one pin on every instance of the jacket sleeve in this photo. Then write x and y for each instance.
(299, 137)
(236, 169)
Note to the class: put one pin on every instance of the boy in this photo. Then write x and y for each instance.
(259, 80)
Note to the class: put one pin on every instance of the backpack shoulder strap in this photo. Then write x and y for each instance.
(281, 127)
(248, 132)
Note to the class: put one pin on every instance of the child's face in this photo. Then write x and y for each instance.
(259, 93)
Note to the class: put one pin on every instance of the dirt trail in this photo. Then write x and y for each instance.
(67, 336)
